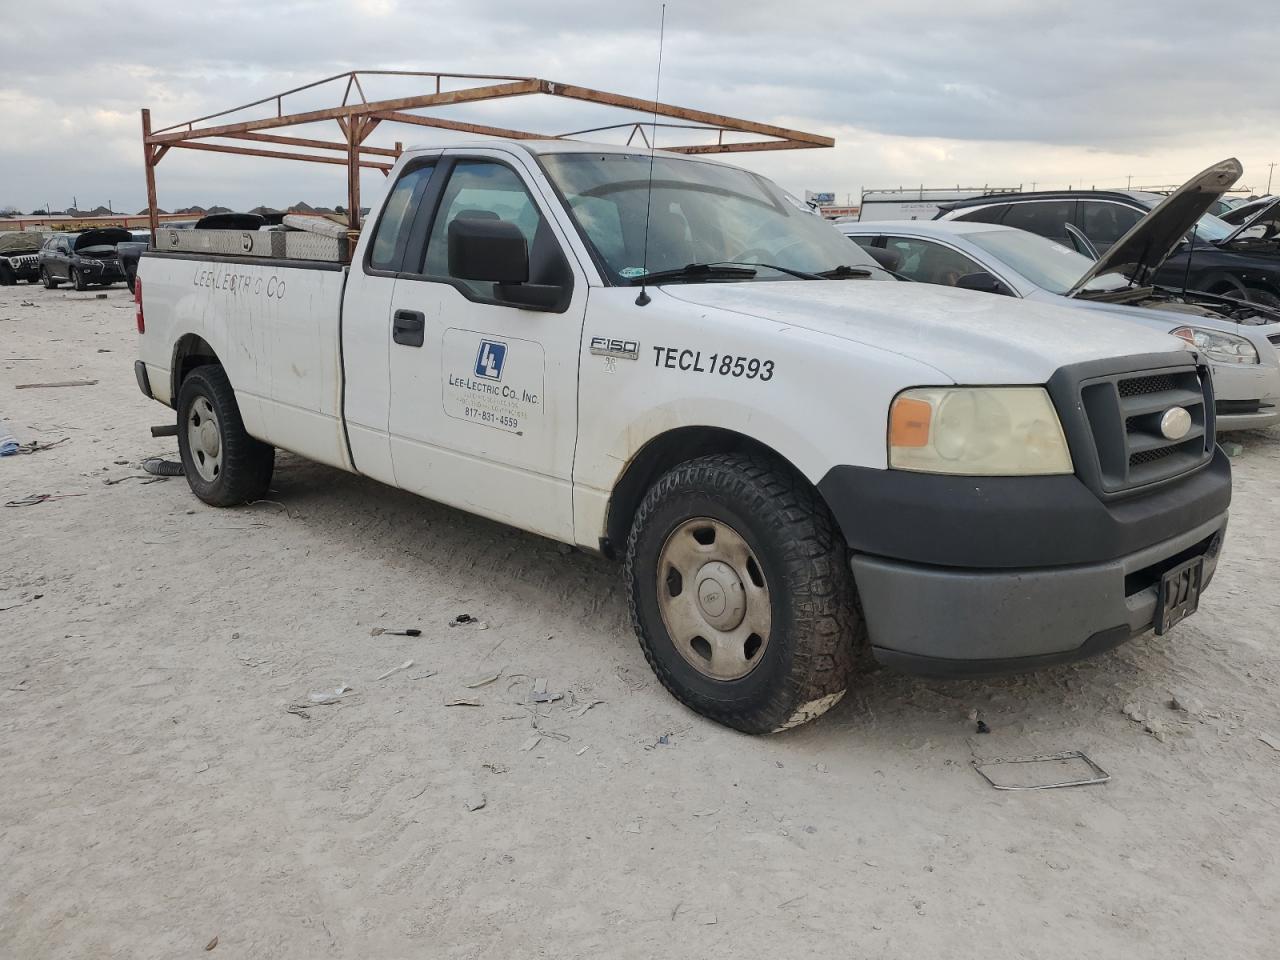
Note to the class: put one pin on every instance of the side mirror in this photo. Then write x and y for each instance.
(487, 250)
(983, 283)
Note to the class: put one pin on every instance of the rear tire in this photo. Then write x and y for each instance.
(223, 464)
(7, 276)
(751, 529)
(1264, 298)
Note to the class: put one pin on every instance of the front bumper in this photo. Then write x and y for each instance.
(103, 272)
(1248, 396)
(980, 575)
(940, 621)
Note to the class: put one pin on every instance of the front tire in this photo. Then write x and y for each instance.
(223, 464)
(77, 280)
(47, 278)
(741, 594)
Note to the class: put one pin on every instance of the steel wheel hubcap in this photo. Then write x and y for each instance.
(204, 439)
(713, 599)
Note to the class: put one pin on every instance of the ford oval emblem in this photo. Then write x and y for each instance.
(1175, 423)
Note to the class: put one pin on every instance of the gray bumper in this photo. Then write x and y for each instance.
(1246, 383)
(1268, 416)
(940, 620)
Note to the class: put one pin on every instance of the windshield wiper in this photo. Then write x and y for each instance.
(696, 271)
(843, 272)
(802, 274)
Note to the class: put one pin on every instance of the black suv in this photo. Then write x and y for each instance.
(85, 259)
(1223, 261)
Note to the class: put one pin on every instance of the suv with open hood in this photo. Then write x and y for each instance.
(1215, 258)
(85, 259)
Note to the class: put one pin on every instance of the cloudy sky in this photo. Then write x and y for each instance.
(999, 92)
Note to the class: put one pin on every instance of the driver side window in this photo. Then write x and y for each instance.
(485, 190)
(928, 262)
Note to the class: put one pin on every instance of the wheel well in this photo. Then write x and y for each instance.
(657, 457)
(189, 352)
(1224, 285)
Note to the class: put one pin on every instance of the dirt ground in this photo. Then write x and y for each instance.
(156, 791)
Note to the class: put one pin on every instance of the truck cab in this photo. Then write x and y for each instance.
(668, 360)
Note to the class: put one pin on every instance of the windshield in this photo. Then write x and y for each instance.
(701, 213)
(1047, 264)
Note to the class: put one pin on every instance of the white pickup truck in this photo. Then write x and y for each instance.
(790, 451)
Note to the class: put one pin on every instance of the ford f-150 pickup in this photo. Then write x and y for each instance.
(678, 365)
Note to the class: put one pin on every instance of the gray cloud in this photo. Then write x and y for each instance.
(986, 91)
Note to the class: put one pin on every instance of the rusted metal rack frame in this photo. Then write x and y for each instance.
(357, 120)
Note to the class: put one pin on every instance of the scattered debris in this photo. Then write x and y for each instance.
(1184, 703)
(135, 476)
(1270, 741)
(35, 498)
(476, 803)
(380, 631)
(982, 727)
(34, 446)
(202, 768)
(99, 296)
(31, 599)
(324, 697)
(494, 768)
(55, 383)
(632, 827)
(394, 670)
(531, 743)
(793, 900)
(1069, 769)
(424, 676)
(1138, 715)
(160, 467)
(1231, 448)
(581, 751)
(820, 767)
(482, 681)
(539, 693)
(214, 942)
(462, 702)
(585, 707)
(462, 618)
(707, 919)
(298, 711)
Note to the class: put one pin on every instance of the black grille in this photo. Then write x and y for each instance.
(1124, 413)
(1138, 386)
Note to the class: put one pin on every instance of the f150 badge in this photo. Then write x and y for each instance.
(618, 349)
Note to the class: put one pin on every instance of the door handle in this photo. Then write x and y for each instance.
(408, 327)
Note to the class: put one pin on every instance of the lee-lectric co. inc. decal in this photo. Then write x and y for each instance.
(493, 382)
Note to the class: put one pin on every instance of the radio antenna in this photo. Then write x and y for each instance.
(644, 297)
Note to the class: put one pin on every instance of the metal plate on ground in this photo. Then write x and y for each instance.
(1179, 594)
(1070, 769)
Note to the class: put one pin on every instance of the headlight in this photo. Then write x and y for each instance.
(977, 431)
(1216, 345)
(90, 262)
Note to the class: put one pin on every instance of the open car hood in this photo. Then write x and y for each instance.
(103, 237)
(1140, 252)
(1268, 214)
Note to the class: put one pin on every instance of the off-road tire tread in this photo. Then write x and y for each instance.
(247, 463)
(826, 623)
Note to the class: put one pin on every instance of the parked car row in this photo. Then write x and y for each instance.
(988, 245)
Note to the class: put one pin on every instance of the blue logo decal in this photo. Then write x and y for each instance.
(490, 359)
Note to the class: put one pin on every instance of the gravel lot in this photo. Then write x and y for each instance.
(157, 792)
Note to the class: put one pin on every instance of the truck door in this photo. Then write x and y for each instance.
(483, 406)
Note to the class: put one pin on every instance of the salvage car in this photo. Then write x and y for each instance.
(19, 257)
(1234, 336)
(1216, 258)
(1246, 209)
(85, 259)
(789, 451)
